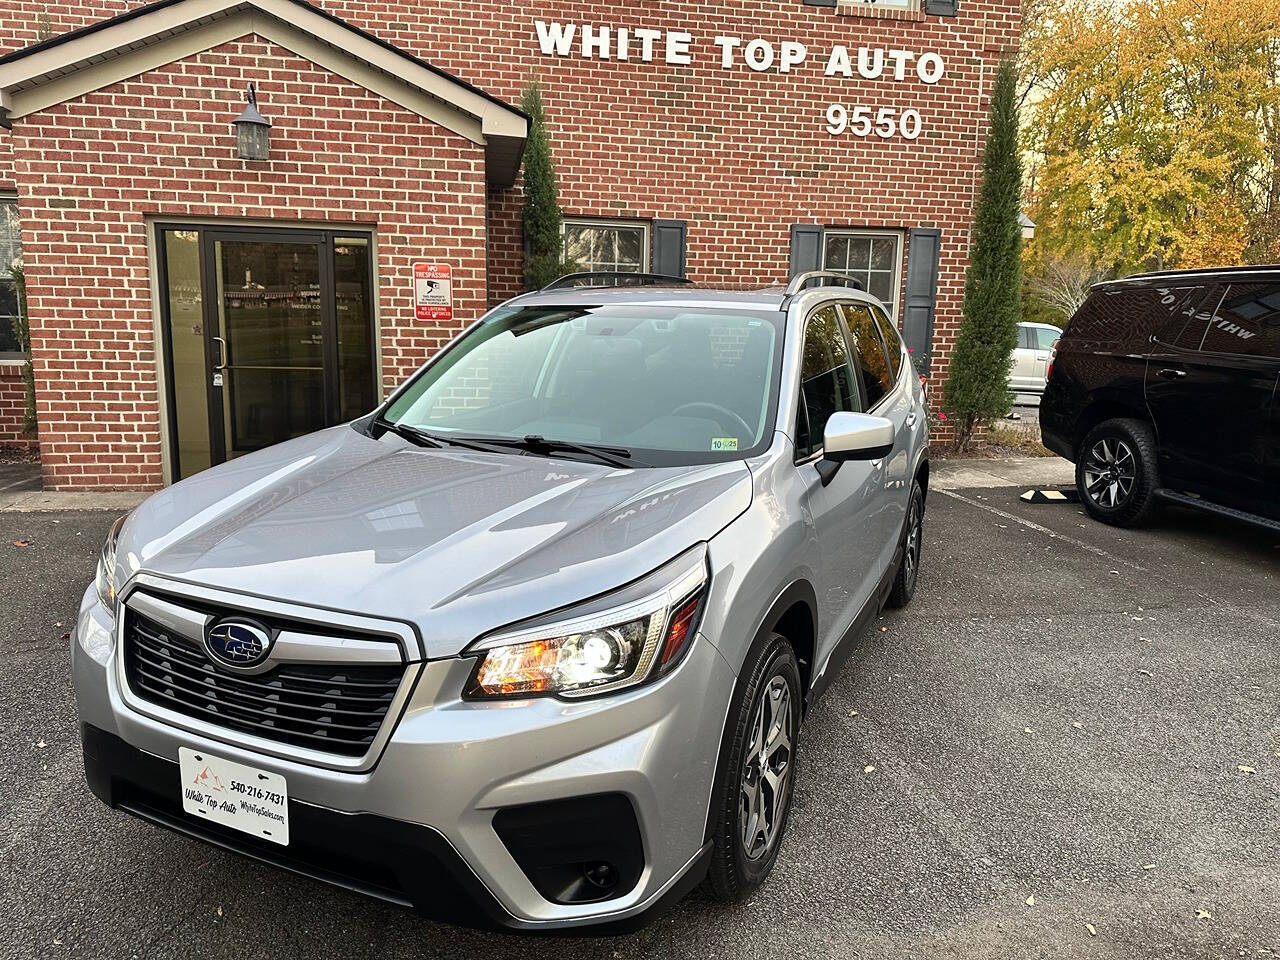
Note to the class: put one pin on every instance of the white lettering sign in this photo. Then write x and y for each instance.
(593, 41)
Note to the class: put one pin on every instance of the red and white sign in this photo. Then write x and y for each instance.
(433, 291)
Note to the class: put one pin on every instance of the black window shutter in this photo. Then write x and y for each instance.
(669, 238)
(941, 8)
(806, 248)
(921, 302)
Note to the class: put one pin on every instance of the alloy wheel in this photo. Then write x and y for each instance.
(915, 533)
(1110, 473)
(766, 774)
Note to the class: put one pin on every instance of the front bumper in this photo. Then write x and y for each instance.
(418, 827)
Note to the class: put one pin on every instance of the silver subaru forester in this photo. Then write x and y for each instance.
(529, 646)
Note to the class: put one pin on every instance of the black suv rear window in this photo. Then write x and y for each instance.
(1114, 313)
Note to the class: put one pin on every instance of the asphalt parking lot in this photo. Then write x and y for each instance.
(1069, 746)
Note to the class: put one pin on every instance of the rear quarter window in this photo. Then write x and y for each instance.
(1134, 313)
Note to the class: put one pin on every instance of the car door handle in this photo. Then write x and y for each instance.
(1169, 373)
(911, 419)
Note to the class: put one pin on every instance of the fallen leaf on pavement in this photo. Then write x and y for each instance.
(1245, 769)
(1203, 915)
(22, 543)
(1149, 866)
(1031, 900)
(40, 745)
(868, 769)
(1093, 931)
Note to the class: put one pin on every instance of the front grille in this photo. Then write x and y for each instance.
(336, 708)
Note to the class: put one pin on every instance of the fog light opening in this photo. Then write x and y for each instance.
(601, 874)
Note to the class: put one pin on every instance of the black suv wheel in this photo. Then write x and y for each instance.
(1116, 472)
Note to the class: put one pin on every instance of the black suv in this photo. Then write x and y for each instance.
(1163, 387)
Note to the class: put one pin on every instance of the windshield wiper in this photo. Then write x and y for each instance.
(424, 438)
(614, 456)
(415, 436)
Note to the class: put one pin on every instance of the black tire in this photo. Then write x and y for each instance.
(1117, 472)
(735, 873)
(904, 584)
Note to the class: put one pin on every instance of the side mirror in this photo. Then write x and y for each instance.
(853, 436)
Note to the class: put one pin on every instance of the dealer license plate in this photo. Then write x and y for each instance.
(234, 795)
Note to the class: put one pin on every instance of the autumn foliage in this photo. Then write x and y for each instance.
(1153, 132)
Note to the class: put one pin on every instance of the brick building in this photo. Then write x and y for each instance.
(188, 305)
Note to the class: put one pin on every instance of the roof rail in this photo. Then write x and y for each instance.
(620, 278)
(825, 278)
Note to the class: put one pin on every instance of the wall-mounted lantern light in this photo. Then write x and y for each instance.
(253, 130)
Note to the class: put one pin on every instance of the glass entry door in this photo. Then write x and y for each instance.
(268, 336)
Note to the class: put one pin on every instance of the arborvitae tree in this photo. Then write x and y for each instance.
(977, 387)
(544, 245)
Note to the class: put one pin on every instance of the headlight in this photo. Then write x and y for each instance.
(625, 640)
(105, 579)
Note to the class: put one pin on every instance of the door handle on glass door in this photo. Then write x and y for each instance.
(221, 363)
(1169, 373)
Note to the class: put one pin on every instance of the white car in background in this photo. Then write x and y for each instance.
(1029, 366)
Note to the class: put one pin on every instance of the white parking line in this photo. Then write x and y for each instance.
(1097, 551)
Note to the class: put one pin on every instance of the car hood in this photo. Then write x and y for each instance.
(458, 543)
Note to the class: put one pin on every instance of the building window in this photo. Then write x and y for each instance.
(10, 257)
(607, 246)
(873, 257)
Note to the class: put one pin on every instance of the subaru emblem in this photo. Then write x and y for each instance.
(236, 643)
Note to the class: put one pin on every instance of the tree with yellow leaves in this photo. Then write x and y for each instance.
(1153, 131)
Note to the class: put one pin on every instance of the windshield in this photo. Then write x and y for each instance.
(672, 385)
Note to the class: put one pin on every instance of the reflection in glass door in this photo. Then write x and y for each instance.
(268, 336)
(269, 348)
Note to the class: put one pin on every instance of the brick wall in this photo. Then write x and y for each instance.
(740, 155)
(91, 171)
(13, 408)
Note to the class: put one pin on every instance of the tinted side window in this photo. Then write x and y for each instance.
(892, 341)
(1119, 313)
(1046, 338)
(1247, 322)
(826, 379)
(1185, 312)
(873, 366)
(1024, 338)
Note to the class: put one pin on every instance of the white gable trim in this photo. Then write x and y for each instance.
(171, 30)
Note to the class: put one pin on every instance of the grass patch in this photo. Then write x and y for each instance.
(1016, 440)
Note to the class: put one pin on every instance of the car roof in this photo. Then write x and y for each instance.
(1267, 271)
(688, 296)
(675, 295)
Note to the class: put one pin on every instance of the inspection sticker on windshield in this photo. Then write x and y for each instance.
(720, 444)
(243, 798)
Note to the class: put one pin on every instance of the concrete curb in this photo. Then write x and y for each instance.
(41, 502)
(946, 475)
(1020, 472)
